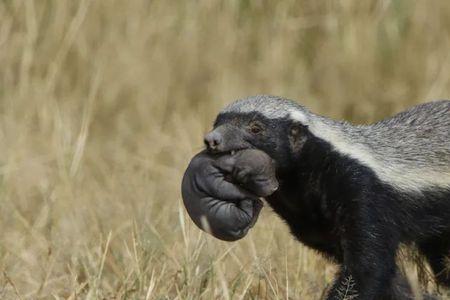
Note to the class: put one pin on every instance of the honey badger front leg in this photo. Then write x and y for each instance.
(368, 269)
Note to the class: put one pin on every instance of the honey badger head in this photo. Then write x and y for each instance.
(274, 125)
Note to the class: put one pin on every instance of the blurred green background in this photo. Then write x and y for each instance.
(102, 104)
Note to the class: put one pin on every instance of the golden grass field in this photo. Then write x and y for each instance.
(103, 103)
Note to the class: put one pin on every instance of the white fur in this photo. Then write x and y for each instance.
(399, 175)
(299, 116)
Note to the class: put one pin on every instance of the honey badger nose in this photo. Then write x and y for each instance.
(212, 140)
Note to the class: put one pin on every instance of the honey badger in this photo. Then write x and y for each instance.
(353, 192)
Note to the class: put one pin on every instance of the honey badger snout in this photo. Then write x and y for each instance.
(226, 138)
(212, 140)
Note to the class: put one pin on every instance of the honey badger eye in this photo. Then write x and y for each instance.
(255, 127)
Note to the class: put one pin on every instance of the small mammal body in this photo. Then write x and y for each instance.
(353, 192)
(224, 190)
(252, 169)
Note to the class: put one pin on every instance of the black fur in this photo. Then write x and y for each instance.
(339, 207)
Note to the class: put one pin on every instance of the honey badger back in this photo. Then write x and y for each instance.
(410, 150)
(351, 192)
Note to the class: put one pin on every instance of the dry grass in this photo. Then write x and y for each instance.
(102, 104)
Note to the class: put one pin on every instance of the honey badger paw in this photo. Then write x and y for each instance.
(217, 206)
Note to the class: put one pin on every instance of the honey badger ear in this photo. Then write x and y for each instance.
(297, 136)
